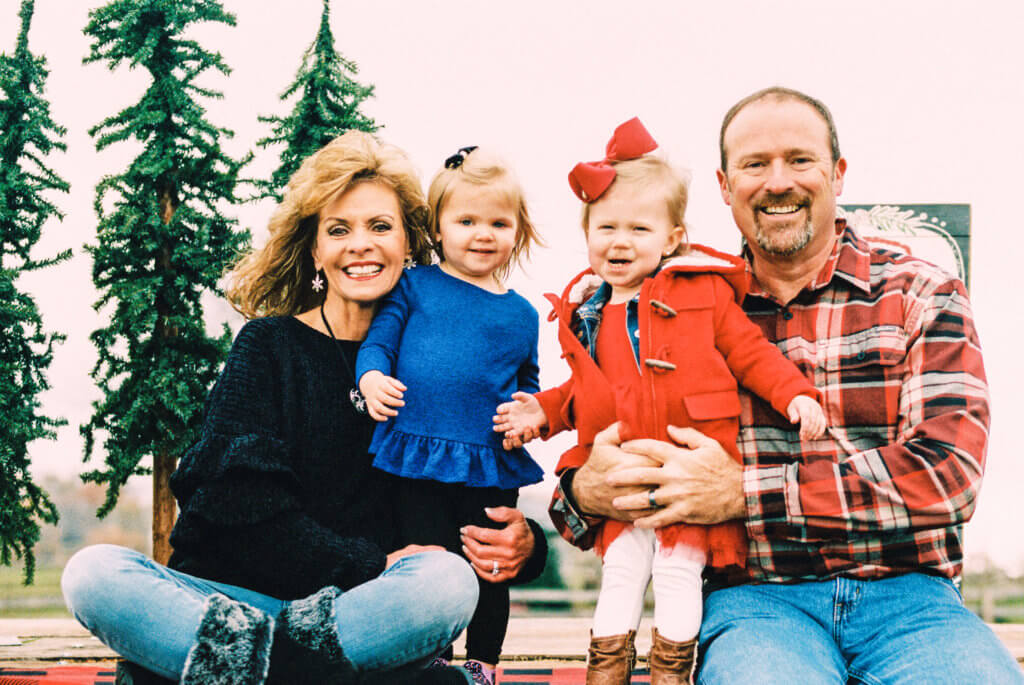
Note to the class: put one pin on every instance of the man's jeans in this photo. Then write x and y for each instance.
(149, 613)
(906, 629)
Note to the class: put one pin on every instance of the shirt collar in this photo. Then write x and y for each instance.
(850, 260)
(591, 307)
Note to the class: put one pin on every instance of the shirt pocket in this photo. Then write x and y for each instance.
(879, 346)
(863, 375)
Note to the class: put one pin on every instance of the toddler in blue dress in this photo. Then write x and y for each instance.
(448, 345)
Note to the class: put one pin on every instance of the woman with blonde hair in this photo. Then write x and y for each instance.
(284, 568)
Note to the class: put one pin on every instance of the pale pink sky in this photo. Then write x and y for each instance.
(927, 97)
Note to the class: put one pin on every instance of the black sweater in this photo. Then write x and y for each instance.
(279, 495)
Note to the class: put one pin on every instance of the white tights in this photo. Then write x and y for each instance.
(634, 558)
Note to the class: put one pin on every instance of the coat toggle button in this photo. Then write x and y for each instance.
(660, 364)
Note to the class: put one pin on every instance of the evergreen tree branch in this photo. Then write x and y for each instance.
(327, 107)
(27, 135)
(162, 240)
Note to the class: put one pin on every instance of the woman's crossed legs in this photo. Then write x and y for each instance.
(150, 614)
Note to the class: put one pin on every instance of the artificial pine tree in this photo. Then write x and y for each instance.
(27, 135)
(328, 107)
(161, 243)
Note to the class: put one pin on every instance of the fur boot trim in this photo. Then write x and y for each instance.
(232, 645)
(310, 622)
(307, 648)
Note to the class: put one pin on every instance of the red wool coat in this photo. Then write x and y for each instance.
(695, 343)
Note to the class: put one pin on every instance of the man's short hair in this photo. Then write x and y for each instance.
(780, 93)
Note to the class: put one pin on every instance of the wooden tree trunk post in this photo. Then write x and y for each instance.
(164, 508)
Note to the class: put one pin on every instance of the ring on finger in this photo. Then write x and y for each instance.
(495, 570)
(650, 499)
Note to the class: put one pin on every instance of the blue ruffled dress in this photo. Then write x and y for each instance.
(461, 351)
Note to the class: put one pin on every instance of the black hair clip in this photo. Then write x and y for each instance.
(456, 160)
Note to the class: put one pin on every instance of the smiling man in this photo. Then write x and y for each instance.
(855, 540)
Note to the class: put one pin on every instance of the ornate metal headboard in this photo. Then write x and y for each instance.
(940, 234)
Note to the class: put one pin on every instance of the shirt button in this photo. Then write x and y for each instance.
(786, 314)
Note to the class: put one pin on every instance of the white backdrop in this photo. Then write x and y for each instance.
(927, 96)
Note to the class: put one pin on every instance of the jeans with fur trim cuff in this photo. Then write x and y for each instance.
(149, 614)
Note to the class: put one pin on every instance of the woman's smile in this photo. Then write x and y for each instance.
(361, 243)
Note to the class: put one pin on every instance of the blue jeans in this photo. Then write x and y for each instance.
(149, 613)
(905, 629)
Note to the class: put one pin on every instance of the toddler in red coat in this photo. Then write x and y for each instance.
(654, 336)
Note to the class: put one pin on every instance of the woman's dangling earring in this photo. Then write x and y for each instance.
(408, 263)
(318, 282)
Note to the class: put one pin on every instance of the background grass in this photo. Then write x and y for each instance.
(42, 599)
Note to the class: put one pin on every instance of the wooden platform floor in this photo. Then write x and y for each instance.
(531, 642)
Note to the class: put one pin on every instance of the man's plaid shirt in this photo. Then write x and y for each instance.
(890, 342)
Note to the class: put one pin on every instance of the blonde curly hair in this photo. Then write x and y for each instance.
(274, 280)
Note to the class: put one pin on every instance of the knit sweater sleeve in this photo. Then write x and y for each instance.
(534, 566)
(242, 513)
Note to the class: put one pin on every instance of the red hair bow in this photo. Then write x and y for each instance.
(589, 180)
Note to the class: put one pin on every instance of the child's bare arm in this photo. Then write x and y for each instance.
(521, 420)
(383, 394)
(809, 414)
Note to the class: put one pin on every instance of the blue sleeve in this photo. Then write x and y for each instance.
(528, 375)
(380, 349)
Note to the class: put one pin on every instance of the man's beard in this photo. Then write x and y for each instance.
(788, 240)
(786, 244)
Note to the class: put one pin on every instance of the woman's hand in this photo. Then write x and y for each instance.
(521, 420)
(409, 550)
(506, 549)
(383, 394)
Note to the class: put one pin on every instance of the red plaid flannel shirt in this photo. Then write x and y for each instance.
(890, 342)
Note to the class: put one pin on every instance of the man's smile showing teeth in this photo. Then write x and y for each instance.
(362, 269)
(784, 209)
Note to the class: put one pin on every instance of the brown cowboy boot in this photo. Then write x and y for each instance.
(610, 659)
(670, 662)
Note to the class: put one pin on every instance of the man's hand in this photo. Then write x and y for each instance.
(383, 394)
(696, 482)
(510, 546)
(592, 487)
(521, 420)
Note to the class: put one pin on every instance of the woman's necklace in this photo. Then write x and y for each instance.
(354, 396)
